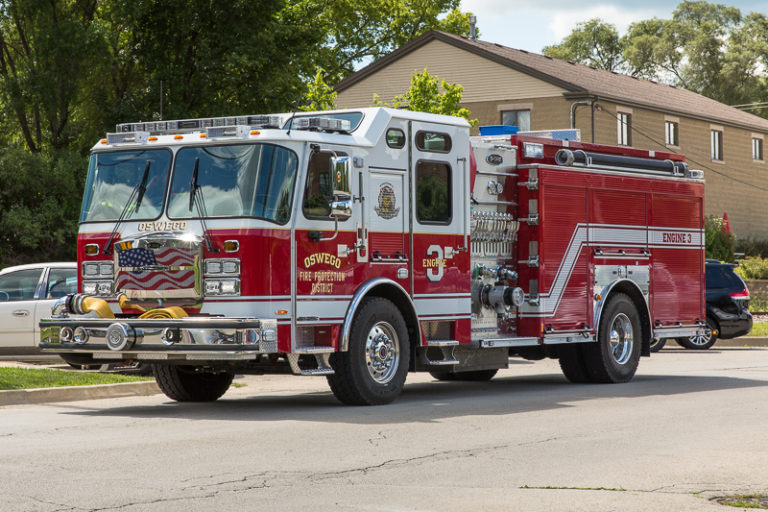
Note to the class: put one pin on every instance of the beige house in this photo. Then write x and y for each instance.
(507, 86)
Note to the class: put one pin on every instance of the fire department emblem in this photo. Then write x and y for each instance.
(387, 202)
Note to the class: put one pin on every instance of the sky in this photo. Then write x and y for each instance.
(531, 25)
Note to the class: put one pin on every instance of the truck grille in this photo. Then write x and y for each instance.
(158, 268)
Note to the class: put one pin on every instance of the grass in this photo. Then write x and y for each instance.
(745, 501)
(759, 329)
(26, 378)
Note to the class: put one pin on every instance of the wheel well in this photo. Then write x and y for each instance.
(402, 301)
(631, 290)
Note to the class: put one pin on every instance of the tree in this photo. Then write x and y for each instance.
(707, 48)
(45, 49)
(593, 43)
(354, 31)
(319, 95)
(424, 95)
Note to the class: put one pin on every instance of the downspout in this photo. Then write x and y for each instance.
(575, 104)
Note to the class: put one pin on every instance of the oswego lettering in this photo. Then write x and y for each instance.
(167, 225)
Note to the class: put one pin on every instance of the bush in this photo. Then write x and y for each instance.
(719, 242)
(753, 267)
(40, 199)
(752, 247)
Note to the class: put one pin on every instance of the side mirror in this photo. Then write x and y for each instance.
(341, 204)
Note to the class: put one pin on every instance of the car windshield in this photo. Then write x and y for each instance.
(243, 180)
(113, 176)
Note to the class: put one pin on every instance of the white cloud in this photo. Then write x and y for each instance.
(564, 21)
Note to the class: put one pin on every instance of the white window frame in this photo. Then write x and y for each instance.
(758, 149)
(716, 144)
(623, 128)
(671, 133)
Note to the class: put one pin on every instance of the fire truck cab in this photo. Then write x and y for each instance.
(364, 244)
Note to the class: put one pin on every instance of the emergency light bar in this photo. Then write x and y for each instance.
(137, 137)
(321, 123)
(200, 124)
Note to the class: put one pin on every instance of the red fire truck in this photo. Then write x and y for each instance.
(364, 244)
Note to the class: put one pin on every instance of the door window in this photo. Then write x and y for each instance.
(19, 285)
(61, 282)
(433, 192)
(318, 190)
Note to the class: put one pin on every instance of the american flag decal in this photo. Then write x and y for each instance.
(175, 269)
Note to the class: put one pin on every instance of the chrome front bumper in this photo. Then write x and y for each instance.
(197, 338)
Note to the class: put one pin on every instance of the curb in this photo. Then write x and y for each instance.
(743, 341)
(72, 393)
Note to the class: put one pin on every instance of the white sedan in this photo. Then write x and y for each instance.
(27, 294)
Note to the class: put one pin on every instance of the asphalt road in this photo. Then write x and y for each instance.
(690, 427)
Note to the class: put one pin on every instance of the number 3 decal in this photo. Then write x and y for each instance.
(434, 263)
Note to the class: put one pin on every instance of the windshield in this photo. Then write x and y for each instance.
(245, 180)
(113, 176)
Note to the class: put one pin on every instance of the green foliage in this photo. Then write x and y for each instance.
(594, 43)
(707, 48)
(429, 93)
(752, 268)
(39, 204)
(319, 95)
(719, 242)
(752, 247)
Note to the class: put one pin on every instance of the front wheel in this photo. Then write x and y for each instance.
(616, 355)
(373, 370)
(190, 384)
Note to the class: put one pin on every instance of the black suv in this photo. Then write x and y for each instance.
(728, 313)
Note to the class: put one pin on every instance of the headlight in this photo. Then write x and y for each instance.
(97, 288)
(98, 269)
(222, 286)
(216, 267)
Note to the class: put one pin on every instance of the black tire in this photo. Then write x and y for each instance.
(573, 365)
(373, 370)
(185, 384)
(701, 342)
(472, 376)
(616, 355)
(81, 361)
(657, 344)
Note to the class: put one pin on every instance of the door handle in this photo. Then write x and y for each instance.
(21, 312)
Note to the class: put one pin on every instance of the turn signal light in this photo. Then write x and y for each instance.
(92, 249)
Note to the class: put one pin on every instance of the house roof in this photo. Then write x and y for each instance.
(580, 81)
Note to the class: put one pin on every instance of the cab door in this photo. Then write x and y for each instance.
(440, 218)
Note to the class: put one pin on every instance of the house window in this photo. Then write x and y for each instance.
(671, 133)
(519, 118)
(757, 149)
(716, 139)
(623, 128)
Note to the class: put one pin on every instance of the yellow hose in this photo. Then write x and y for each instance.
(98, 305)
(169, 312)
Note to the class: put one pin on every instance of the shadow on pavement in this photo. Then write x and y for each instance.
(430, 401)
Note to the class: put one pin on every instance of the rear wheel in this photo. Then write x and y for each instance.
(701, 341)
(373, 370)
(189, 384)
(573, 365)
(616, 355)
(472, 376)
(657, 344)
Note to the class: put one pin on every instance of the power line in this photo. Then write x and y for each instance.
(699, 164)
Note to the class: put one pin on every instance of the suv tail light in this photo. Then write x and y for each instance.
(742, 295)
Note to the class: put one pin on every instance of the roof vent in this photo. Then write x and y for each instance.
(472, 27)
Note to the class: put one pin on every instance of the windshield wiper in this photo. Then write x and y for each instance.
(137, 192)
(196, 200)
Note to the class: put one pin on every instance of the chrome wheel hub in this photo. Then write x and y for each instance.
(622, 338)
(382, 352)
(701, 339)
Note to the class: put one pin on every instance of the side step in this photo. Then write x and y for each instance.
(322, 356)
(446, 347)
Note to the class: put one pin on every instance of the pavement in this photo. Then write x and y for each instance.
(74, 393)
